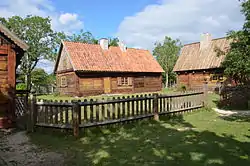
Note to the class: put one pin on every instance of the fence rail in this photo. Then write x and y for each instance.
(81, 114)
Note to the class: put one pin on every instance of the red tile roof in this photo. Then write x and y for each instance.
(91, 57)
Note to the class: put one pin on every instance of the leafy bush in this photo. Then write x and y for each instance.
(21, 86)
(182, 88)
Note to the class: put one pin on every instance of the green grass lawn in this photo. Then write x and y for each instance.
(197, 138)
(61, 97)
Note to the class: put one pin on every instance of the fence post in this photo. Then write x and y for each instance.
(155, 106)
(205, 91)
(76, 110)
(32, 112)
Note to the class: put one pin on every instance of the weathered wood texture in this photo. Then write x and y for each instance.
(87, 113)
(71, 83)
(64, 62)
(86, 84)
(196, 79)
(7, 79)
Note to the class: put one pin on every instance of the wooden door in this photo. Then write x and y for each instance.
(107, 85)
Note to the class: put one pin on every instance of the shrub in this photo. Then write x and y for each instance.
(21, 86)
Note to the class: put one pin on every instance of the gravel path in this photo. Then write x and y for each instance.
(17, 150)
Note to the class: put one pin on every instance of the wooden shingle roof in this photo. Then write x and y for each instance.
(13, 37)
(194, 58)
(91, 57)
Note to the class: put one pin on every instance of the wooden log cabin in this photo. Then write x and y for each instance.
(199, 64)
(92, 69)
(11, 51)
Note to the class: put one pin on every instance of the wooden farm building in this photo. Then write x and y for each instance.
(199, 64)
(91, 69)
(11, 51)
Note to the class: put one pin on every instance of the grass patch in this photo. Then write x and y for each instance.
(198, 138)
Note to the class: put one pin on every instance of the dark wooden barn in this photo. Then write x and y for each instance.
(199, 63)
(11, 51)
(92, 69)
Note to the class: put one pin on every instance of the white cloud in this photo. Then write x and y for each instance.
(183, 19)
(67, 22)
(61, 21)
(47, 65)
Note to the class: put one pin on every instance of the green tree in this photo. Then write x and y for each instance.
(166, 54)
(237, 59)
(36, 31)
(113, 41)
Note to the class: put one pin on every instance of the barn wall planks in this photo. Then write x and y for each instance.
(71, 82)
(87, 84)
(197, 79)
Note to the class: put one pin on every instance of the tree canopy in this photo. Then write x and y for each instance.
(36, 31)
(166, 54)
(237, 60)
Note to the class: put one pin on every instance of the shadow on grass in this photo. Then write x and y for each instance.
(237, 118)
(147, 143)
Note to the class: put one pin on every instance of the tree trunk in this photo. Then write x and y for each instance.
(166, 80)
(28, 81)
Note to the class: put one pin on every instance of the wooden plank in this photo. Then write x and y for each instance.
(160, 104)
(85, 112)
(113, 109)
(123, 108)
(137, 106)
(128, 108)
(97, 113)
(91, 112)
(133, 106)
(80, 113)
(155, 107)
(117, 120)
(51, 113)
(66, 109)
(118, 109)
(141, 105)
(60, 126)
(103, 110)
(56, 112)
(109, 110)
(61, 112)
(46, 114)
(149, 105)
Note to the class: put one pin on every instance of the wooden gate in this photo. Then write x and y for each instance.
(21, 102)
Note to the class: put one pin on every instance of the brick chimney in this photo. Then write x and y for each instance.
(104, 43)
(206, 39)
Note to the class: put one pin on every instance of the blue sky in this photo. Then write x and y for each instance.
(102, 17)
(138, 23)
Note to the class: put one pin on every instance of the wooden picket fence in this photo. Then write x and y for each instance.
(87, 113)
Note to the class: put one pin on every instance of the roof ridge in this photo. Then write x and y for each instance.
(13, 37)
(99, 45)
(200, 42)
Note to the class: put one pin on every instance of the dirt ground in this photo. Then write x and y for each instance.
(17, 150)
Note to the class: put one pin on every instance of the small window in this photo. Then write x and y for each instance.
(63, 81)
(124, 81)
(220, 78)
(215, 77)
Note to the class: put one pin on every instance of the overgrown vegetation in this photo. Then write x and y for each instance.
(237, 61)
(198, 138)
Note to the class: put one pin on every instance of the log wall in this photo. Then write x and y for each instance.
(196, 80)
(93, 84)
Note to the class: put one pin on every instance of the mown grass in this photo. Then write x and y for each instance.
(104, 96)
(198, 138)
